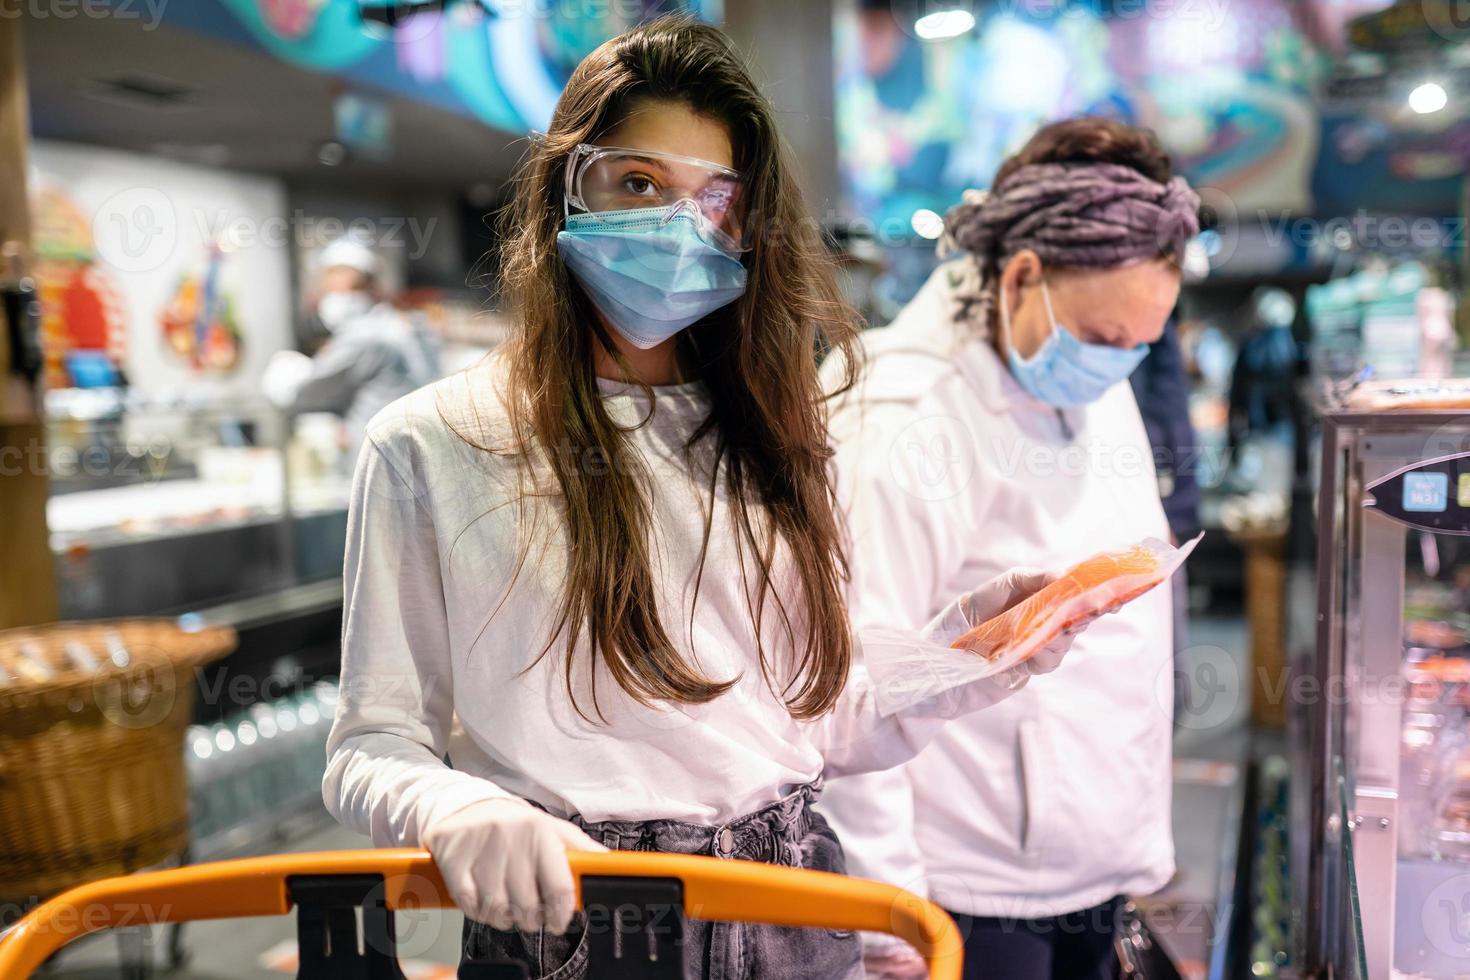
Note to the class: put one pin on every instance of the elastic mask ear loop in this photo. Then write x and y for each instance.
(1005, 321)
(1046, 298)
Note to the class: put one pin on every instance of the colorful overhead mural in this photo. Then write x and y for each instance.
(1227, 84)
(503, 61)
(1241, 93)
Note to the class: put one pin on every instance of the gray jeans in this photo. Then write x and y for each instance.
(788, 832)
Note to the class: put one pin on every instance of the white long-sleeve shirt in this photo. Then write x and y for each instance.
(1059, 798)
(442, 621)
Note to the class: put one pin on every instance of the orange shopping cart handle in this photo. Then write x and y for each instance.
(713, 889)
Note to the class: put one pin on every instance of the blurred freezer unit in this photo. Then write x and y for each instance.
(1383, 870)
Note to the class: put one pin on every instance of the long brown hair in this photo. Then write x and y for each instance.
(755, 357)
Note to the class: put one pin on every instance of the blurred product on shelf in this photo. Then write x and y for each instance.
(1255, 512)
(1434, 773)
(1433, 789)
(256, 768)
(1271, 923)
(1415, 395)
(1393, 318)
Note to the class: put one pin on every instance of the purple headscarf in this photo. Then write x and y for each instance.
(1075, 215)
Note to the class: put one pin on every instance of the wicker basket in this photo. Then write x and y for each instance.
(92, 719)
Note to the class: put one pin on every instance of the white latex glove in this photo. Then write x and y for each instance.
(887, 957)
(922, 676)
(994, 598)
(285, 373)
(505, 864)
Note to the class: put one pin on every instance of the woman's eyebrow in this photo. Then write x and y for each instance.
(651, 161)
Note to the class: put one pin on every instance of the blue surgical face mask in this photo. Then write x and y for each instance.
(652, 271)
(1064, 371)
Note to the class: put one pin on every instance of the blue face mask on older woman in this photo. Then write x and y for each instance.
(1066, 372)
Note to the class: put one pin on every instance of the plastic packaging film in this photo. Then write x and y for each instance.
(909, 670)
(1097, 585)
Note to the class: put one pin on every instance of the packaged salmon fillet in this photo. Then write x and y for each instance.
(1089, 589)
(924, 671)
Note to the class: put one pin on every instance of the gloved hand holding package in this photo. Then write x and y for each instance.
(909, 669)
(1020, 623)
(1087, 590)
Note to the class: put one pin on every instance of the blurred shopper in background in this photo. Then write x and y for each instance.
(1032, 820)
(1161, 387)
(1263, 394)
(372, 355)
(610, 549)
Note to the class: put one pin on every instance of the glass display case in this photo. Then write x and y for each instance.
(1383, 872)
(165, 505)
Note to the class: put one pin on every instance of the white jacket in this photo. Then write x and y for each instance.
(1058, 798)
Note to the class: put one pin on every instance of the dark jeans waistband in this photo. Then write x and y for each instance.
(771, 834)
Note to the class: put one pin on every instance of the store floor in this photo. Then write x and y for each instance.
(1210, 756)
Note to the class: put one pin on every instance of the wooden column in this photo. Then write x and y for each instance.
(27, 570)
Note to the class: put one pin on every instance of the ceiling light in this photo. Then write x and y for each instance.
(927, 224)
(1427, 98)
(943, 24)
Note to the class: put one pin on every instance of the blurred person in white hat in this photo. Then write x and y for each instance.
(372, 355)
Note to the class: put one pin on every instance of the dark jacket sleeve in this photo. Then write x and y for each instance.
(1162, 388)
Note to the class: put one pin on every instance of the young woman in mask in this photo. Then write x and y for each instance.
(596, 585)
(1029, 821)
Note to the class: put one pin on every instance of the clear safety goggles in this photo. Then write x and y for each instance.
(614, 178)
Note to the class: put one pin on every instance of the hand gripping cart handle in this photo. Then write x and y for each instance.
(635, 903)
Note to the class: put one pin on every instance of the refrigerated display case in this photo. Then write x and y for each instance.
(163, 505)
(1382, 711)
